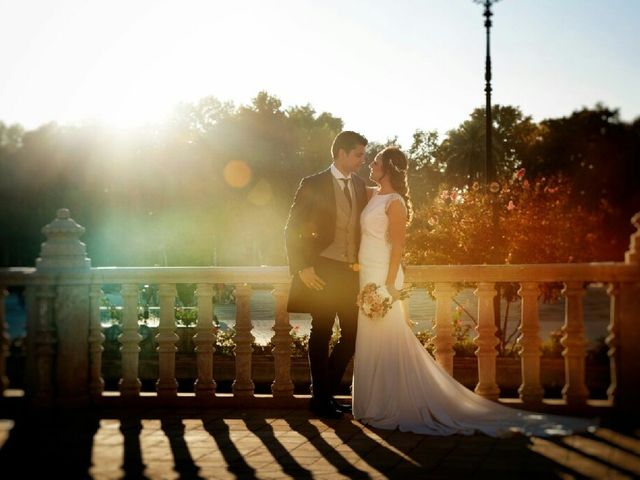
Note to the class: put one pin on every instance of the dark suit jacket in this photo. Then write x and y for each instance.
(311, 228)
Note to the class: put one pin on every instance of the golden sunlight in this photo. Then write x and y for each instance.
(136, 63)
(261, 193)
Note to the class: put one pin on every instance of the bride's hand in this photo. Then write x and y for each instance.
(393, 291)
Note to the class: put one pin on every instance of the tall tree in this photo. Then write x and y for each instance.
(462, 151)
(598, 151)
(426, 169)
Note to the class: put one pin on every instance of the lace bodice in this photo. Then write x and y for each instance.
(374, 220)
(375, 249)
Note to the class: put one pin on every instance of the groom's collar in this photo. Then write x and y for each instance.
(337, 173)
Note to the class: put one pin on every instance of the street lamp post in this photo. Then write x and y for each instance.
(488, 171)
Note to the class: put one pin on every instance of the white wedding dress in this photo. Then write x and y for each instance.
(396, 382)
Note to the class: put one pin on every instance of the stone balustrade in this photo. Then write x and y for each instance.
(64, 327)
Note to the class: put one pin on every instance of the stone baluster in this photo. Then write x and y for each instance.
(574, 342)
(129, 339)
(613, 337)
(530, 391)
(282, 385)
(243, 384)
(204, 339)
(167, 385)
(45, 345)
(443, 340)
(486, 342)
(96, 339)
(4, 342)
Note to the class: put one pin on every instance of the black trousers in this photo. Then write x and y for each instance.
(337, 299)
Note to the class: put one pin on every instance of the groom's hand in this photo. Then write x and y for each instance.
(310, 279)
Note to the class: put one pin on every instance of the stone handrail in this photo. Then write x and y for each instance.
(541, 273)
(17, 276)
(160, 275)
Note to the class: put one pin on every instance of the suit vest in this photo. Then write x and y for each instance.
(343, 248)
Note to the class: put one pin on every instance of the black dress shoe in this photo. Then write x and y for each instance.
(341, 407)
(324, 409)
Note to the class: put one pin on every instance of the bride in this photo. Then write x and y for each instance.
(396, 382)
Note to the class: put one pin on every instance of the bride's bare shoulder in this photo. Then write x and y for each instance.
(371, 191)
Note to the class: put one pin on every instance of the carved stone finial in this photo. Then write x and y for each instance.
(63, 248)
(633, 254)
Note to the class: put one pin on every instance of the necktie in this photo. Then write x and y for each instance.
(346, 190)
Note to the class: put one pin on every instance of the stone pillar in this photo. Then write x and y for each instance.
(167, 385)
(627, 359)
(204, 339)
(243, 384)
(129, 339)
(443, 340)
(63, 256)
(530, 391)
(486, 342)
(282, 385)
(4, 342)
(574, 342)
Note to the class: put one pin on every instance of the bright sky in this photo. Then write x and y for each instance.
(385, 67)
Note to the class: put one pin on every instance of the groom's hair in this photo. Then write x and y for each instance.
(347, 141)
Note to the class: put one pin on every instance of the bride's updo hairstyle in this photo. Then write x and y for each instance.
(395, 165)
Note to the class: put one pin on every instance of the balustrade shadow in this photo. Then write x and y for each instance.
(221, 434)
(266, 433)
(618, 440)
(615, 463)
(67, 441)
(392, 460)
(603, 454)
(133, 465)
(329, 452)
(43, 442)
(174, 429)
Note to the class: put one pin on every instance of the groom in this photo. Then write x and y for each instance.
(322, 239)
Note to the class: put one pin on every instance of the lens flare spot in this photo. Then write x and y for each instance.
(237, 174)
(260, 194)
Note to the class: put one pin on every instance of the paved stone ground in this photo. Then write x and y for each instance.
(270, 444)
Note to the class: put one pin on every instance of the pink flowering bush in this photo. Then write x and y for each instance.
(519, 221)
(516, 221)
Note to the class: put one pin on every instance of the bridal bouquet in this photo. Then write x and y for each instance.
(375, 300)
